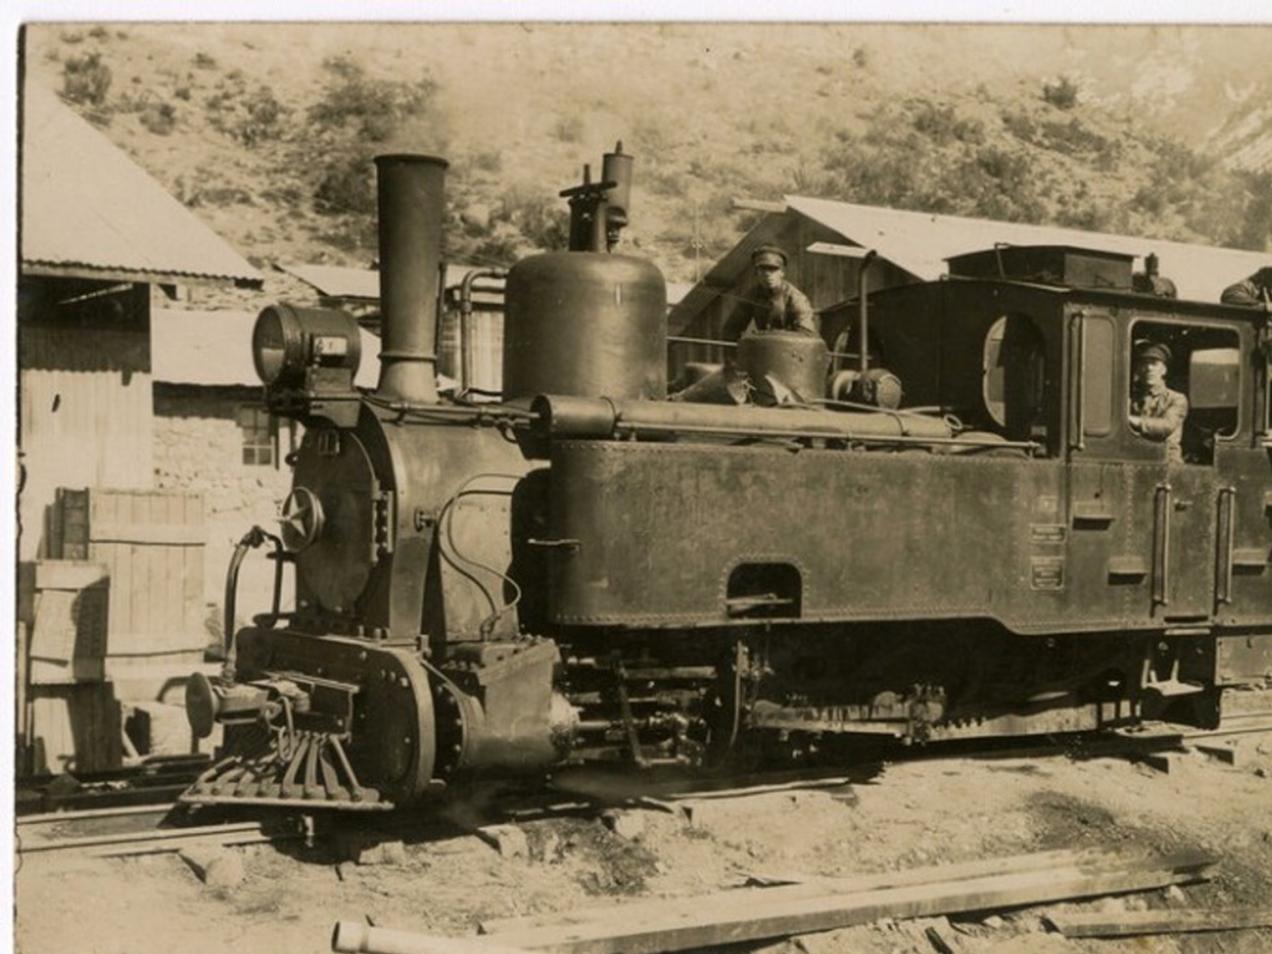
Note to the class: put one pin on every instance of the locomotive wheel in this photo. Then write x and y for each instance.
(394, 742)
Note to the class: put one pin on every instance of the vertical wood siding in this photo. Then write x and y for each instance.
(152, 544)
(85, 403)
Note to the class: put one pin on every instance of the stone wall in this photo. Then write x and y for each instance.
(198, 446)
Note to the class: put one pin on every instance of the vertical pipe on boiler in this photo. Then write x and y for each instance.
(410, 198)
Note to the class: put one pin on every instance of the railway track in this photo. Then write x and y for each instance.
(164, 827)
(156, 782)
(143, 829)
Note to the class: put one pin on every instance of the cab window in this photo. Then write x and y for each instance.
(1203, 364)
(1013, 368)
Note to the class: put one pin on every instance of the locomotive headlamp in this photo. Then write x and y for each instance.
(290, 344)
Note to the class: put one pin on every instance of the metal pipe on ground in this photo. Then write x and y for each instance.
(410, 201)
(353, 937)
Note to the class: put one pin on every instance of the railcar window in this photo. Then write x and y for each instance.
(992, 369)
(1202, 379)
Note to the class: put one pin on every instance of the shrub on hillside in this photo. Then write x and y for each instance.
(488, 161)
(1020, 124)
(248, 117)
(665, 180)
(1255, 231)
(261, 119)
(346, 184)
(1075, 138)
(942, 124)
(1062, 94)
(369, 109)
(158, 117)
(649, 137)
(539, 217)
(86, 79)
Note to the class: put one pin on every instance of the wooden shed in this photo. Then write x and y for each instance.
(99, 238)
(110, 568)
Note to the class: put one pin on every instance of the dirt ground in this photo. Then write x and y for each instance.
(912, 813)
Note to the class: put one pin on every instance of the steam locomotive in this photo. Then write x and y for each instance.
(954, 534)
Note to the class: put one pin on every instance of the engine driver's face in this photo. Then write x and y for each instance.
(1150, 373)
(769, 276)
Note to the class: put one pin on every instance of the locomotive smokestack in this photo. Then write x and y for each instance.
(410, 197)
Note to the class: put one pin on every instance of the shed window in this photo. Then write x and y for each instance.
(260, 433)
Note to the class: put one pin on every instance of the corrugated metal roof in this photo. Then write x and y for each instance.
(89, 209)
(343, 281)
(338, 281)
(920, 243)
(214, 348)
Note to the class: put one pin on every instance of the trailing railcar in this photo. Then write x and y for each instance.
(591, 570)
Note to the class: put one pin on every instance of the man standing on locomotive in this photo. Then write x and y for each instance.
(1157, 412)
(771, 303)
(1253, 292)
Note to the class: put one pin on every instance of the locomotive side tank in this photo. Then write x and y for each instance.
(589, 571)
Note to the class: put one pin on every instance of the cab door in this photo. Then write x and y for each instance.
(1185, 508)
(1109, 497)
(1144, 530)
(1192, 501)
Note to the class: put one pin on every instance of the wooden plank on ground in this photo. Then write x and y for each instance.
(689, 923)
(1227, 753)
(790, 886)
(1128, 923)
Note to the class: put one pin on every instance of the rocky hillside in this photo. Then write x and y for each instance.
(267, 130)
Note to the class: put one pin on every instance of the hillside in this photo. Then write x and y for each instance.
(266, 130)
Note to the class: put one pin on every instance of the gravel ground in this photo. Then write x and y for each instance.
(913, 813)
